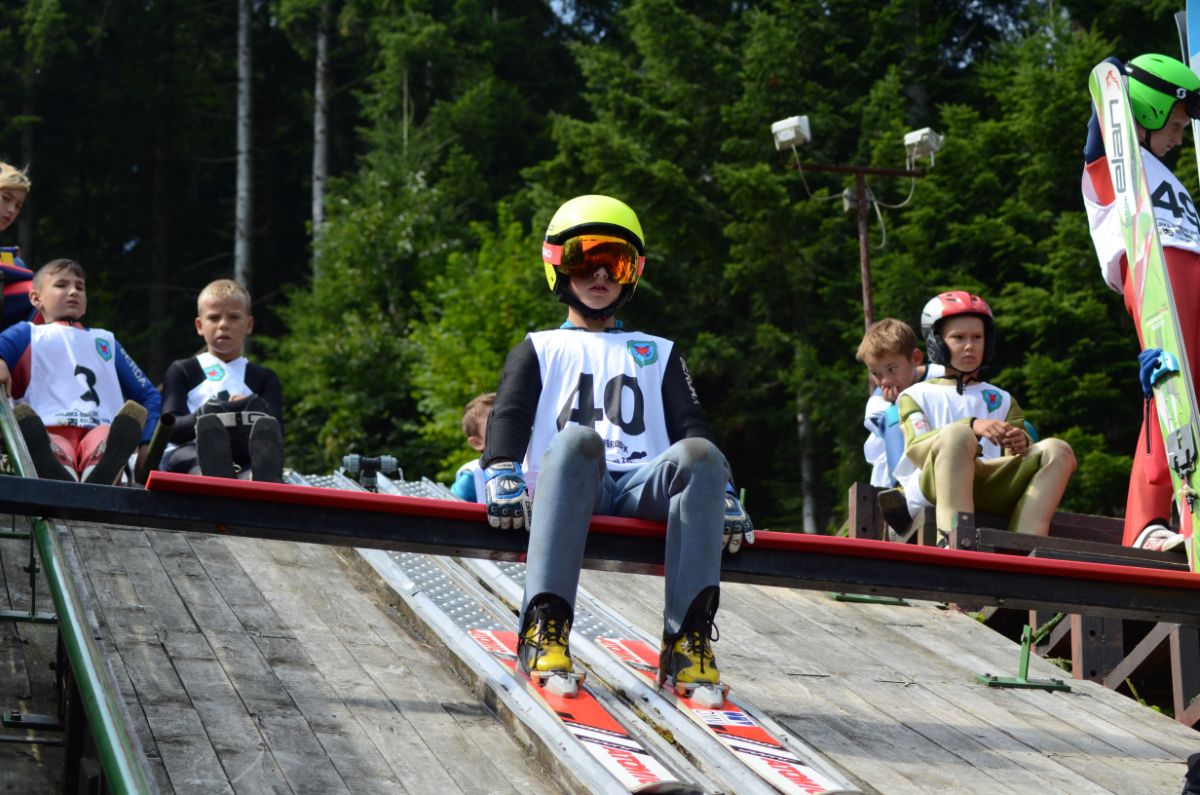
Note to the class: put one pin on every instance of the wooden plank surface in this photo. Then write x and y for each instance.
(888, 693)
(262, 667)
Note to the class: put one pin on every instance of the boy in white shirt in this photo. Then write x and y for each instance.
(474, 426)
(84, 405)
(228, 410)
(593, 418)
(966, 446)
(889, 350)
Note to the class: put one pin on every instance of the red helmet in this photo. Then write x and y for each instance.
(949, 304)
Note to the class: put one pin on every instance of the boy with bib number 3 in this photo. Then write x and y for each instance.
(85, 406)
(592, 418)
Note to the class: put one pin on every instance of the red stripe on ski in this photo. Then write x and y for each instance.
(587, 719)
(733, 726)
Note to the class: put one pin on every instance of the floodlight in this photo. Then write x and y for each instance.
(922, 143)
(791, 132)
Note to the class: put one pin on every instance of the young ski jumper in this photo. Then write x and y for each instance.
(889, 350)
(605, 421)
(228, 410)
(1163, 97)
(966, 446)
(474, 427)
(17, 277)
(85, 406)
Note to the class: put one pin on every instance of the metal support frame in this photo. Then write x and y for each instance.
(1022, 679)
(31, 615)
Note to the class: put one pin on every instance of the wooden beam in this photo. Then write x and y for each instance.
(441, 527)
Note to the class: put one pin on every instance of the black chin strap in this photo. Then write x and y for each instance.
(962, 379)
(565, 296)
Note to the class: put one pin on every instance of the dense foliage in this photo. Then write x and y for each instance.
(458, 127)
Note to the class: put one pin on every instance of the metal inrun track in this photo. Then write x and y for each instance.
(594, 619)
(450, 601)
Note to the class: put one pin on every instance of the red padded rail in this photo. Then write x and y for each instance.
(765, 539)
(363, 501)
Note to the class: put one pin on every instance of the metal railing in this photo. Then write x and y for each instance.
(120, 759)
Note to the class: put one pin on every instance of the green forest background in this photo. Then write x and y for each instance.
(458, 128)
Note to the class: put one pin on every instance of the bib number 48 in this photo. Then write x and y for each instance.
(583, 410)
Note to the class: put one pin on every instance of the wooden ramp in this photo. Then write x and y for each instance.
(257, 666)
(889, 694)
(266, 667)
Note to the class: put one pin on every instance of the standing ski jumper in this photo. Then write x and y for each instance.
(1150, 78)
(606, 421)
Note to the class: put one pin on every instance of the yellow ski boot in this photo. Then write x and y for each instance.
(687, 662)
(543, 646)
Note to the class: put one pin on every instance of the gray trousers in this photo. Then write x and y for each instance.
(684, 487)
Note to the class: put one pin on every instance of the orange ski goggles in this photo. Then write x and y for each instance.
(582, 255)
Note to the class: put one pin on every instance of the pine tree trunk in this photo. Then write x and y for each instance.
(804, 429)
(244, 202)
(320, 166)
(25, 219)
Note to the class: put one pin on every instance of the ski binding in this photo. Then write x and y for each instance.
(704, 694)
(561, 683)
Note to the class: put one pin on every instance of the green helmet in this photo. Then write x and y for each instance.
(592, 215)
(1156, 83)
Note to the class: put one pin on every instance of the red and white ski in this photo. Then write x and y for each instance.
(735, 728)
(591, 724)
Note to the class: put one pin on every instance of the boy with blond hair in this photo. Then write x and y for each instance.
(84, 405)
(228, 410)
(474, 427)
(16, 275)
(889, 350)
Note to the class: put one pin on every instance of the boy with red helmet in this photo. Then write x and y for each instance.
(966, 446)
(592, 418)
(1164, 95)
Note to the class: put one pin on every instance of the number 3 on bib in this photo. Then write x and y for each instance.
(584, 412)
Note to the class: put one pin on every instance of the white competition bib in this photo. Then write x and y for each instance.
(610, 382)
(941, 406)
(1174, 214)
(73, 375)
(219, 376)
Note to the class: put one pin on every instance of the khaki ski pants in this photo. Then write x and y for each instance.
(1025, 487)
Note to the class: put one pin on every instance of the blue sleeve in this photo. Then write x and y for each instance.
(136, 386)
(464, 486)
(16, 272)
(14, 342)
(1093, 149)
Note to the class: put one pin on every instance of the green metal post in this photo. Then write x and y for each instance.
(118, 756)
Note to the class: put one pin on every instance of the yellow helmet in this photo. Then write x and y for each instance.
(604, 218)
